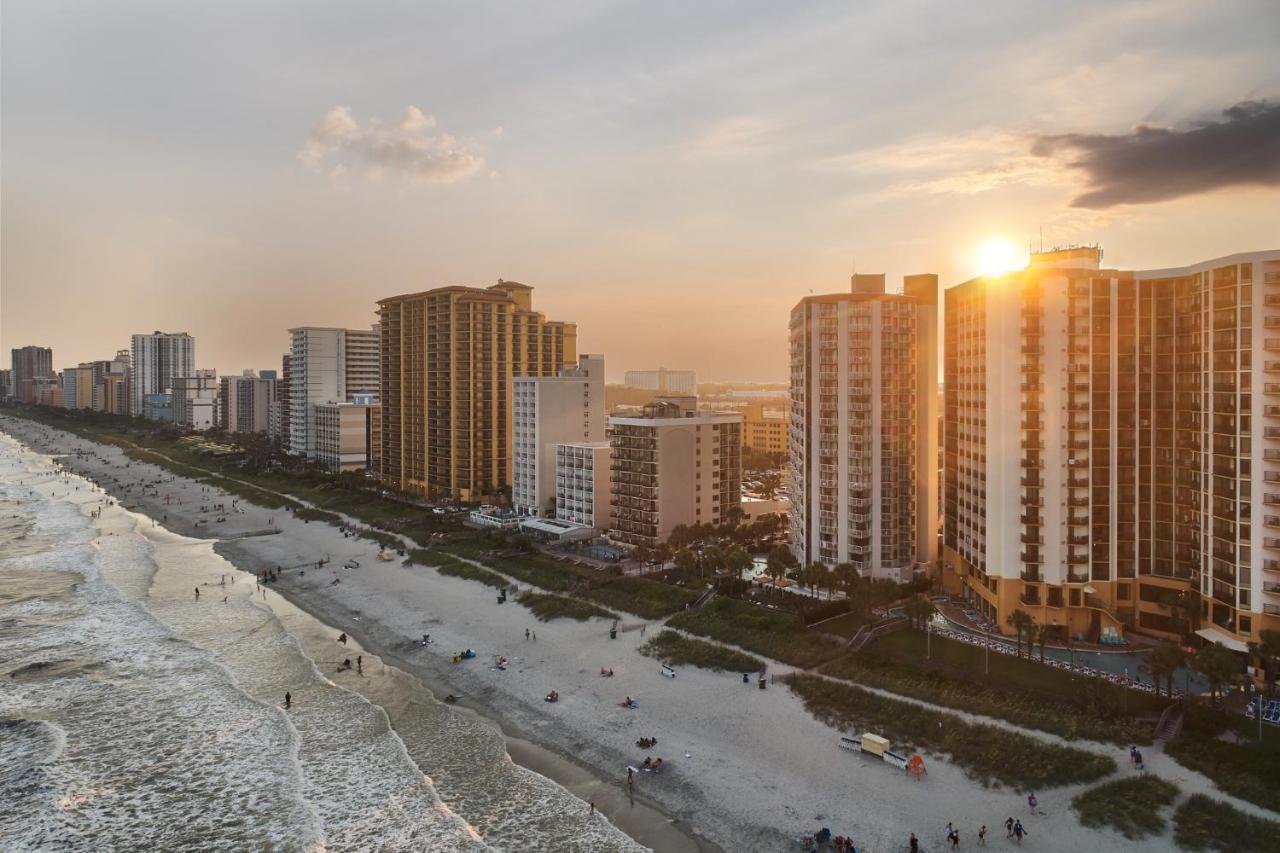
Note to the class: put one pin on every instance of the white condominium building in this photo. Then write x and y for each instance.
(1112, 438)
(864, 427)
(327, 366)
(195, 400)
(583, 484)
(546, 411)
(156, 359)
(673, 465)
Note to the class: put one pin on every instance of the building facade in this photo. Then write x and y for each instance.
(1113, 438)
(584, 484)
(29, 365)
(156, 359)
(344, 434)
(326, 366)
(673, 465)
(863, 433)
(245, 402)
(449, 357)
(546, 411)
(195, 400)
(764, 430)
(664, 381)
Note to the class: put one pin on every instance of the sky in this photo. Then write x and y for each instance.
(670, 176)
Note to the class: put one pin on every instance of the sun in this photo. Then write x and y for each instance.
(998, 256)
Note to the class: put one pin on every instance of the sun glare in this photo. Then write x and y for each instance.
(998, 256)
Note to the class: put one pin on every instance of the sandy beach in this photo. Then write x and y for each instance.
(746, 769)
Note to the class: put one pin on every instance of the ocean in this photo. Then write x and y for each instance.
(136, 715)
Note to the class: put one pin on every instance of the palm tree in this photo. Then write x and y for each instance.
(779, 561)
(811, 575)
(1184, 606)
(1041, 636)
(1268, 649)
(1217, 665)
(662, 553)
(737, 561)
(920, 609)
(1022, 623)
(1162, 662)
(846, 576)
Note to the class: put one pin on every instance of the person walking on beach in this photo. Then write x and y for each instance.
(342, 638)
(1018, 832)
(982, 835)
(360, 664)
(535, 636)
(526, 635)
(1008, 828)
(913, 843)
(288, 699)
(1031, 802)
(197, 592)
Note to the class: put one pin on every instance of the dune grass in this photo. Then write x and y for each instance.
(547, 607)
(1130, 806)
(1203, 823)
(988, 754)
(675, 649)
(775, 634)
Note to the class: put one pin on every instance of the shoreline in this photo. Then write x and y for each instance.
(745, 768)
(642, 820)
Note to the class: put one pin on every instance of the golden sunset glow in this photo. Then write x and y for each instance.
(998, 256)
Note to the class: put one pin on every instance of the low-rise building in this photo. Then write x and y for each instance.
(673, 465)
(583, 484)
(158, 407)
(343, 434)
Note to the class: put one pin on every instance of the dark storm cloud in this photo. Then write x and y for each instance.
(1156, 163)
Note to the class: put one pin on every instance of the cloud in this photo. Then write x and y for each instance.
(407, 148)
(1157, 164)
(960, 164)
(732, 136)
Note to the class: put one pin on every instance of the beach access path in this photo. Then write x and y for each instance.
(746, 768)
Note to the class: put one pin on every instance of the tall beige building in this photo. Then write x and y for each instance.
(449, 356)
(673, 465)
(1113, 437)
(863, 436)
(326, 366)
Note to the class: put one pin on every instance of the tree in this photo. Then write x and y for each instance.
(770, 484)
(814, 575)
(778, 562)
(1162, 662)
(686, 562)
(846, 577)
(1022, 623)
(1268, 649)
(1184, 607)
(662, 553)
(1041, 636)
(919, 609)
(737, 560)
(1218, 666)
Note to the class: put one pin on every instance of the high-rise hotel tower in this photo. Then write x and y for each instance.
(1113, 438)
(864, 427)
(448, 359)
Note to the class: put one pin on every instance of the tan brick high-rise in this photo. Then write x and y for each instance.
(448, 358)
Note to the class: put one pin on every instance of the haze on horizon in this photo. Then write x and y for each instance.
(672, 178)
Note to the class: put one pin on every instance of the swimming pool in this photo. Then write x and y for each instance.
(603, 552)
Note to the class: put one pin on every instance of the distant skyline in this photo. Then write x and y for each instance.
(672, 178)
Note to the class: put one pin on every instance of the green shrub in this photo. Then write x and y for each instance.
(1203, 823)
(547, 607)
(534, 569)
(675, 649)
(772, 633)
(1130, 806)
(988, 754)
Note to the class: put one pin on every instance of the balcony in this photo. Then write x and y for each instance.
(1271, 542)
(1031, 540)
(1031, 576)
(1035, 349)
(1031, 463)
(1271, 344)
(1077, 559)
(1031, 557)
(1271, 587)
(1032, 482)
(1078, 502)
(1030, 520)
